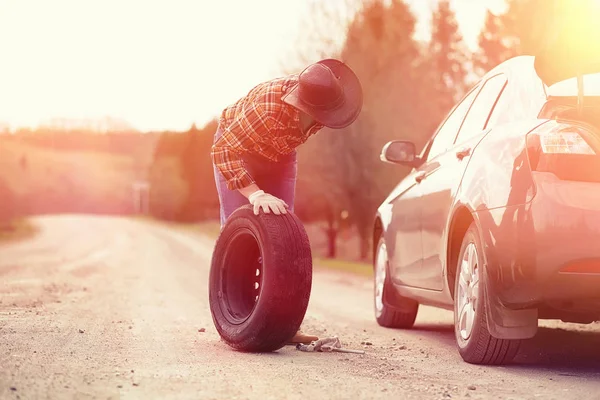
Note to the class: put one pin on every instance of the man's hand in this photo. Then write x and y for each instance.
(267, 202)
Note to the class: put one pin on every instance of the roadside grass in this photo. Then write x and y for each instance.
(352, 267)
(16, 230)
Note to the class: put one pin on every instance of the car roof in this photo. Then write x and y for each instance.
(525, 93)
(518, 69)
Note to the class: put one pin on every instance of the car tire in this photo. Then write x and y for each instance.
(475, 343)
(260, 280)
(402, 317)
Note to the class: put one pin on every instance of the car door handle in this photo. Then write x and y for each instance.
(463, 153)
(420, 176)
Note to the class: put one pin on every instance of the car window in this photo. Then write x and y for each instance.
(446, 134)
(522, 98)
(478, 115)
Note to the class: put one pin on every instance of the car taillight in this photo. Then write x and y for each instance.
(566, 150)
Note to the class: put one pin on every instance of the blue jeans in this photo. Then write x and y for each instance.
(276, 178)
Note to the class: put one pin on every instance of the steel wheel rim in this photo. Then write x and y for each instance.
(241, 277)
(468, 291)
(380, 272)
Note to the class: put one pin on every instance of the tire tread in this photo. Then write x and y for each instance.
(394, 318)
(483, 348)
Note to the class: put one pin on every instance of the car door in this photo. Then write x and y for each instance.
(404, 236)
(441, 174)
(406, 255)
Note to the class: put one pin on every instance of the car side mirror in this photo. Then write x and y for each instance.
(400, 152)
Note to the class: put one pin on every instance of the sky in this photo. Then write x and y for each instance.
(161, 64)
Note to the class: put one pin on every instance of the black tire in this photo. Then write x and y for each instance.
(258, 308)
(402, 317)
(477, 345)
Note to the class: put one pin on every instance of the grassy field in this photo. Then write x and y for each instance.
(45, 166)
(37, 175)
(353, 267)
(41, 180)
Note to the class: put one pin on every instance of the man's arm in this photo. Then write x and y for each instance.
(238, 138)
(248, 190)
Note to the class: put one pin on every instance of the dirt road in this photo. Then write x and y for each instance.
(109, 308)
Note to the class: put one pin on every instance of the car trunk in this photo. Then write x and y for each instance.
(572, 140)
(565, 108)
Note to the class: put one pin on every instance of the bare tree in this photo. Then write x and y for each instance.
(322, 33)
(320, 195)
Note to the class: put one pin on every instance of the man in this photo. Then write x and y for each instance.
(254, 150)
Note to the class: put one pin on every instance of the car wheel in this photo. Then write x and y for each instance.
(260, 280)
(402, 317)
(475, 344)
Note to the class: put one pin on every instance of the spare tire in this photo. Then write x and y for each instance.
(260, 280)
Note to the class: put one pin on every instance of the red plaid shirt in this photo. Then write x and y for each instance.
(259, 123)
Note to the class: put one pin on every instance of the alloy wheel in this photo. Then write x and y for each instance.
(380, 273)
(468, 291)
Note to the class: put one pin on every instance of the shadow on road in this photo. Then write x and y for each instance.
(566, 352)
(442, 333)
(563, 350)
